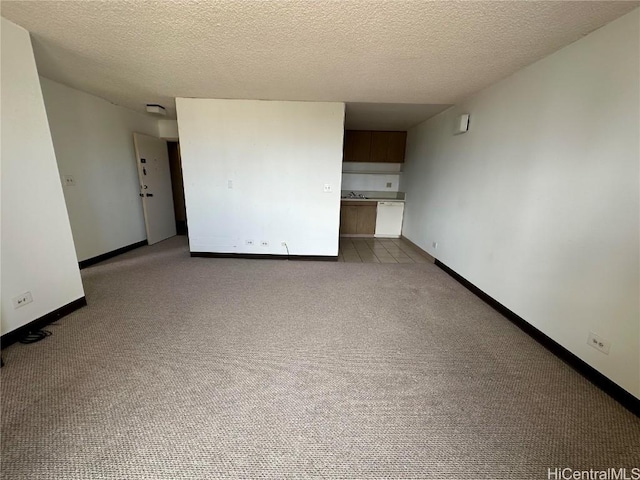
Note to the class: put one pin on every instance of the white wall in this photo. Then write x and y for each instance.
(168, 129)
(93, 141)
(278, 156)
(370, 182)
(373, 182)
(538, 204)
(37, 247)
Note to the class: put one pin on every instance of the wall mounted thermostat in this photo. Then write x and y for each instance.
(462, 124)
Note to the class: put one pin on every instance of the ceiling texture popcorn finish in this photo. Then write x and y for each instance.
(388, 116)
(136, 52)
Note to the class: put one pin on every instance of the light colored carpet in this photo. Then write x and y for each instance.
(196, 368)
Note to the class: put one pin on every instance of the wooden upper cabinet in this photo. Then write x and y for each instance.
(396, 147)
(379, 142)
(357, 146)
(379, 147)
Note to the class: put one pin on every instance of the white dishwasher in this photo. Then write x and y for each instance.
(389, 219)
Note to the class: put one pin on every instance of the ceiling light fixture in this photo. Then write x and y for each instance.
(156, 109)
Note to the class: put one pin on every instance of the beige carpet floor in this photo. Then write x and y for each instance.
(197, 368)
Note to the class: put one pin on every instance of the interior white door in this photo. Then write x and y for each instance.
(152, 158)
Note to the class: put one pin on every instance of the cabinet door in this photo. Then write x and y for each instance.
(388, 147)
(348, 220)
(357, 146)
(396, 146)
(379, 142)
(366, 223)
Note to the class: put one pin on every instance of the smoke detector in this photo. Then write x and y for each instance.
(156, 109)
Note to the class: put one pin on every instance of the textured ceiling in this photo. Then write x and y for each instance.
(138, 52)
(388, 116)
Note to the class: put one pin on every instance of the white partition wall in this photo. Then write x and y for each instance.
(37, 247)
(256, 175)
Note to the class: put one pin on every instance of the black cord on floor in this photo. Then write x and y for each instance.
(35, 336)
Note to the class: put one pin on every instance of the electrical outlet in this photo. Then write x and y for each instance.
(327, 188)
(283, 244)
(389, 184)
(22, 300)
(230, 184)
(435, 244)
(69, 181)
(264, 243)
(599, 343)
(248, 242)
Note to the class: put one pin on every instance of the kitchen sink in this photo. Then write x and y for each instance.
(354, 197)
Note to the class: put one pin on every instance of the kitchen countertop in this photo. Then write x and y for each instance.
(374, 197)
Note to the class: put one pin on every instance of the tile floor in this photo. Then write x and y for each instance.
(375, 250)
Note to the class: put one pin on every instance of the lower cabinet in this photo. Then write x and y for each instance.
(348, 219)
(358, 218)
